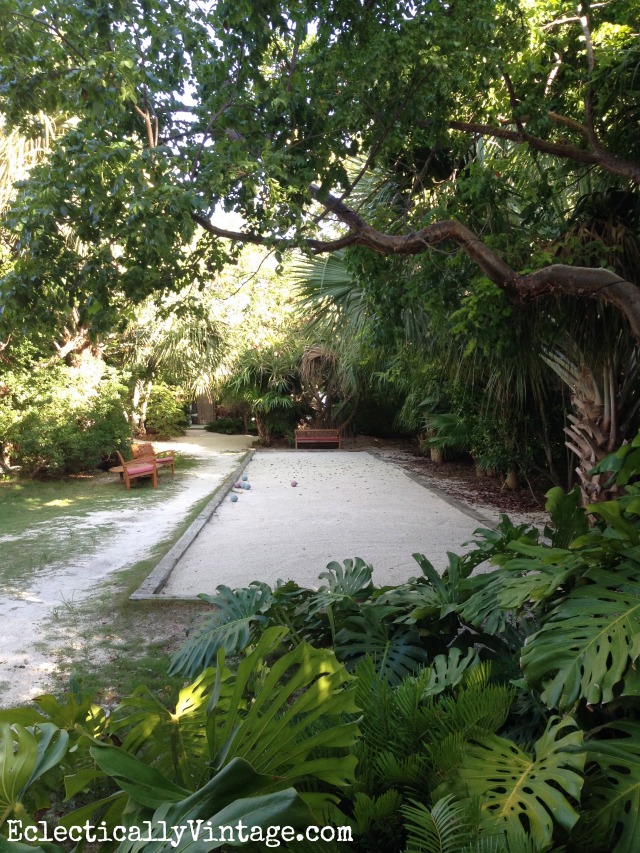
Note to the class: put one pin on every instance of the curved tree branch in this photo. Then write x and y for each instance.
(556, 279)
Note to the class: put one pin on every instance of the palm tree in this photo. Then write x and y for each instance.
(180, 339)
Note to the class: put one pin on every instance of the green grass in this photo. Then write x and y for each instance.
(48, 523)
(113, 644)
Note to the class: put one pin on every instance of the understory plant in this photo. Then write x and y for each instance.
(266, 743)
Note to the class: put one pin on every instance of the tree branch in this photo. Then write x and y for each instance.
(556, 279)
(598, 157)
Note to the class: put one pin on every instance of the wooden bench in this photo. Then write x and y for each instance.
(145, 452)
(136, 468)
(318, 436)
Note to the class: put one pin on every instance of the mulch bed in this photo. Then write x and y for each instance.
(457, 479)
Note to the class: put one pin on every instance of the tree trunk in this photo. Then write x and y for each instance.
(144, 404)
(593, 434)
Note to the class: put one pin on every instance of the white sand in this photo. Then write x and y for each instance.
(345, 505)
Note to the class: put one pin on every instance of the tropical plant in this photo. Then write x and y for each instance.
(269, 742)
(25, 757)
(519, 792)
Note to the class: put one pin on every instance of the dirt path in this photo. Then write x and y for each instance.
(119, 538)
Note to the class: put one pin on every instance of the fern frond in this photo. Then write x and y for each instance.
(444, 829)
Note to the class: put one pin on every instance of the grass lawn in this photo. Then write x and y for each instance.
(48, 523)
(113, 644)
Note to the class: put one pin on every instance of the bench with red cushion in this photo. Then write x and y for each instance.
(136, 468)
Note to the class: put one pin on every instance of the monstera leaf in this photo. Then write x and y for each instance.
(517, 790)
(446, 671)
(286, 718)
(611, 804)
(395, 650)
(353, 582)
(590, 640)
(238, 616)
(173, 739)
(532, 574)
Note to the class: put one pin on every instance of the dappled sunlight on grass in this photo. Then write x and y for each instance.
(45, 525)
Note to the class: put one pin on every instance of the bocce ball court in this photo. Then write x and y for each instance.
(344, 504)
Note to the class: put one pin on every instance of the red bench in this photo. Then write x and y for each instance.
(318, 436)
(136, 468)
(145, 452)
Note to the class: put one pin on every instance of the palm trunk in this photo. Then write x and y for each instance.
(593, 434)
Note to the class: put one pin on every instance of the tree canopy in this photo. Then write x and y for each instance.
(179, 113)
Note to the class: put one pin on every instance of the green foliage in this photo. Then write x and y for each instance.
(590, 641)
(612, 793)
(456, 680)
(444, 829)
(237, 618)
(25, 757)
(371, 632)
(236, 746)
(229, 426)
(57, 420)
(166, 415)
(624, 464)
(568, 517)
(521, 792)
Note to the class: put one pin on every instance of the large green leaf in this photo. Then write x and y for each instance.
(439, 593)
(237, 617)
(395, 649)
(531, 574)
(568, 517)
(173, 739)
(234, 794)
(517, 791)
(446, 671)
(144, 784)
(613, 513)
(589, 641)
(350, 584)
(25, 756)
(611, 802)
(287, 718)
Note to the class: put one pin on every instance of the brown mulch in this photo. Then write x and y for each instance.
(457, 478)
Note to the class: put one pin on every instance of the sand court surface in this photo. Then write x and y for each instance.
(345, 504)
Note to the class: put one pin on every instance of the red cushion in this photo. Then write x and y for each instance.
(140, 469)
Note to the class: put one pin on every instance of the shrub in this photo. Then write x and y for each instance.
(228, 426)
(166, 415)
(57, 420)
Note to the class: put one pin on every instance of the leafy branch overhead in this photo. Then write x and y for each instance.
(181, 112)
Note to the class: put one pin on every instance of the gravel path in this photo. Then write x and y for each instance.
(344, 505)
